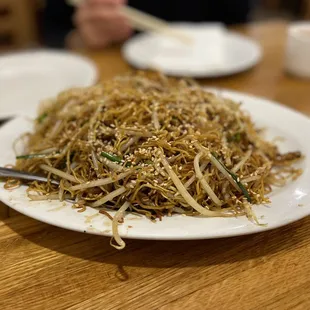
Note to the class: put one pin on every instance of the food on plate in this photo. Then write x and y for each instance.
(144, 143)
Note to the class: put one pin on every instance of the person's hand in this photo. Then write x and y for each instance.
(100, 23)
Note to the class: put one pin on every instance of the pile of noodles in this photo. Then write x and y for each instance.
(155, 146)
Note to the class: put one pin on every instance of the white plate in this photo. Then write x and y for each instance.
(289, 203)
(28, 77)
(217, 52)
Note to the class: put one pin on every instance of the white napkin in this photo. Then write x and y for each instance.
(205, 52)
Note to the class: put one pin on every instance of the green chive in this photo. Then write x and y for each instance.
(112, 157)
(28, 156)
(42, 117)
(115, 159)
(235, 178)
(235, 138)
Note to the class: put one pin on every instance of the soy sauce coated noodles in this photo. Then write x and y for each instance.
(155, 146)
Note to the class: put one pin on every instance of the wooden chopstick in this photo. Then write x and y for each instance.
(146, 22)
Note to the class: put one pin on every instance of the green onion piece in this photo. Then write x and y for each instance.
(111, 157)
(235, 178)
(235, 138)
(42, 117)
(28, 156)
(115, 159)
(241, 186)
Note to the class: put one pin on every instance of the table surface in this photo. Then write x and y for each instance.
(45, 267)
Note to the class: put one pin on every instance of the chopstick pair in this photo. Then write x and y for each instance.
(146, 22)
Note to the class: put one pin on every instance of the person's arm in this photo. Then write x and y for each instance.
(99, 23)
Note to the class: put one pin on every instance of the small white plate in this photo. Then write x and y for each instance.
(289, 203)
(28, 77)
(214, 52)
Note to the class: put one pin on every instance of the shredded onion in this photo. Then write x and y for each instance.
(49, 150)
(100, 182)
(109, 197)
(60, 173)
(55, 129)
(94, 159)
(61, 190)
(242, 162)
(190, 181)
(225, 173)
(130, 142)
(203, 181)
(251, 179)
(111, 165)
(185, 194)
(120, 242)
(155, 117)
(137, 133)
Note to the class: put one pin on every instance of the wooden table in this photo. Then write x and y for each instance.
(18, 23)
(44, 267)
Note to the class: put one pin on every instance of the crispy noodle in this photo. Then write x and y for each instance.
(11, 184)
(154, 146)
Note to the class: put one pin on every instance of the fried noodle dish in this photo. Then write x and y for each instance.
(147, 144)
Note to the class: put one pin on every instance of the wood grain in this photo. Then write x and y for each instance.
(45, 267)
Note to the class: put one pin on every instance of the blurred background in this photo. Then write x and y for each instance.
(22, 22)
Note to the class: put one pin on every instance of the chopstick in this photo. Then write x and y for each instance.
(146, 22)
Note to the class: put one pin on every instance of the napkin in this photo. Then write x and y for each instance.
(205, 52)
